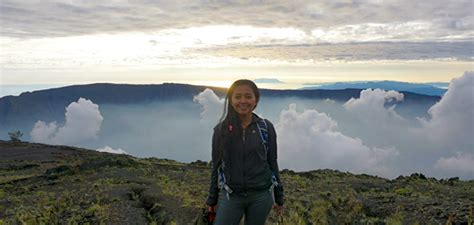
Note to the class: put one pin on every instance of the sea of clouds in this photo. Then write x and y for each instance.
(363, 135)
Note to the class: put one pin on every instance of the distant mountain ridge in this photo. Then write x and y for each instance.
(420, 88)
(50, 103)
(44, 104)
(268, 81)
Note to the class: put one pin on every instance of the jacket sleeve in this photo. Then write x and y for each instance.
(272, 160)
(216, 162)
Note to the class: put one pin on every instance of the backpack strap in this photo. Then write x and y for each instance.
(263, 128)
(222, 184)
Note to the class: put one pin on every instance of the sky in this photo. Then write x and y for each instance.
(64, 42)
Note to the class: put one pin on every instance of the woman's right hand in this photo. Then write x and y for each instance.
(211, 208)
(278, 209)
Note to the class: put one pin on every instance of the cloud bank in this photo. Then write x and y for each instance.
(451, 128)
(363, 135)
(368, 135)
(452, 119)
(371, 105)
(109, 37)
(460, 163)
(310, 49)
(83, 122)
(310, 140)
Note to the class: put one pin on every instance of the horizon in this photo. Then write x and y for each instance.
(17, 89)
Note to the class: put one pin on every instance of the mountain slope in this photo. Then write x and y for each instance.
(48, 105)
(61, 184)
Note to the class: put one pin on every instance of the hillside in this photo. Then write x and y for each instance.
(29, 107)
(44, 184)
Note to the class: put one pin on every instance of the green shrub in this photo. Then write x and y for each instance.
(404, 191)
(15, 136)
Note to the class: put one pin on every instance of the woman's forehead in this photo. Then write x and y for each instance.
(243, 89)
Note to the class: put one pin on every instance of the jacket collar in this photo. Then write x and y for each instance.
(255, 118)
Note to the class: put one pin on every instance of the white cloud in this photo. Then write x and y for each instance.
(43, 132)
(460, 163)
(452, 119)
(212, 105)
(111, 150)
(309, 140)
(83, 122)
(370, 106)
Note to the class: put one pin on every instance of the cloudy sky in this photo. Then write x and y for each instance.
(215, 42)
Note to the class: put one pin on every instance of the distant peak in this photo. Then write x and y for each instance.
(268, 81)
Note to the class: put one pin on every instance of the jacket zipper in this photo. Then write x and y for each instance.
(245, 175)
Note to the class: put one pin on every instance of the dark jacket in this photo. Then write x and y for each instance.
(245, 167)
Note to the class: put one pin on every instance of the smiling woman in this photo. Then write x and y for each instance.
(245, 178)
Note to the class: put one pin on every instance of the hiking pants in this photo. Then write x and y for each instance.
(255, 206)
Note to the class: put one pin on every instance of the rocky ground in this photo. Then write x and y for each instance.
(44, 184)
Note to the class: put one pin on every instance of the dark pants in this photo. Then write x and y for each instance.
(255, 206)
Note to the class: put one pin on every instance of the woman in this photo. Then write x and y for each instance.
(245, 179)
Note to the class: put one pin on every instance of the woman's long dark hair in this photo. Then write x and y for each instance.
(230, 123)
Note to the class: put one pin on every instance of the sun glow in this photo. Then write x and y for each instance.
(210, 55)
(212, 83)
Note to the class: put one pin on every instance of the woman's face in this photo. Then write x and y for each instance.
(243, 100)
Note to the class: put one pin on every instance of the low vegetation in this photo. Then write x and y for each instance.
(43, 184)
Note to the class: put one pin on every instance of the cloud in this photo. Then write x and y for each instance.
(46, 18)
(461, 163)
(143, 34)
(83, 122)
(309, 140)
(111, 150)
(43, 132)
(452, 119)
(310, 49)
(370, 105)
(211, 104)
